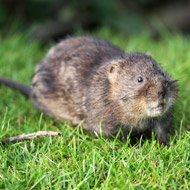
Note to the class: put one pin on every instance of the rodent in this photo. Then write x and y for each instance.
(91, 80)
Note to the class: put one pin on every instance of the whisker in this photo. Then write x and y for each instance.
(174, 81)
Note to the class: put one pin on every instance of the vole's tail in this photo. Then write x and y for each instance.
(15, 85)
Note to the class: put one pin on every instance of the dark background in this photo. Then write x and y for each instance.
(54, 19)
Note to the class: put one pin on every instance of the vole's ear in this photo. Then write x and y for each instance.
(113, 68)
(112, 71)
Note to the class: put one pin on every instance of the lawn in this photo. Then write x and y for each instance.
(76, 160)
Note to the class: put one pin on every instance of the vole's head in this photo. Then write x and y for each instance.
(140, 87)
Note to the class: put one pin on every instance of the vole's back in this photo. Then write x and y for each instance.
(64, 76)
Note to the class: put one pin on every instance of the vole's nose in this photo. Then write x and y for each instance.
(162, 93)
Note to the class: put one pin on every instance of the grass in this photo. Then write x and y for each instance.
(76, 160)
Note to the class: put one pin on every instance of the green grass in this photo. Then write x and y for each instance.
(76, 160)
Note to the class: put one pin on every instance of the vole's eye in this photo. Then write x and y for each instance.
(140, 79)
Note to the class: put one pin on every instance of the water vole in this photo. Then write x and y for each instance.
(89, 79)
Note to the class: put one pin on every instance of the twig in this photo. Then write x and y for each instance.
(31, 136)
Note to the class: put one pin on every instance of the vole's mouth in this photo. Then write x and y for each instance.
(157, 110)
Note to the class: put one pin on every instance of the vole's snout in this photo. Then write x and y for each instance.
(160, 103)
(162, 96)
(162, 93)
